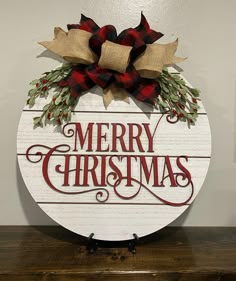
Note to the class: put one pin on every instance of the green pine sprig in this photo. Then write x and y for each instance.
(58, 110)
(177, 98)
(60, 107)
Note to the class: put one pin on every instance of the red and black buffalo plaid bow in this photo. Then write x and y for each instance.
(83, 77)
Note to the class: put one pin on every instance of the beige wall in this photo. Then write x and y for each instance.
(207, 33)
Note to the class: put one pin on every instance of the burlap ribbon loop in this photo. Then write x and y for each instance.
(114, 56)
(74, 47)
(150, 63)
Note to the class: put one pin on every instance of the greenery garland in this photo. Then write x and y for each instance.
(176, 97)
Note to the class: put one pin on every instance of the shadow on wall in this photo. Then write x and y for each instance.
(33, 213)
(50, 55)
(234, 124)
(179, 221)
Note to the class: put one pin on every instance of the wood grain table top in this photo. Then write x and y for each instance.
(174, 253)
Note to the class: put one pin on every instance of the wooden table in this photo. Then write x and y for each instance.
(53, 253)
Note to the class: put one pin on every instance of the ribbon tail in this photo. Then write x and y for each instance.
(156, 56)
(54, 46)
(113, 92)
(107, 97)
(72, 46)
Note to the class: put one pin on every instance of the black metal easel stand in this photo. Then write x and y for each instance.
(94, 244)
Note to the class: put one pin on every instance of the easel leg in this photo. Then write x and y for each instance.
(133, 243)
(92, 244)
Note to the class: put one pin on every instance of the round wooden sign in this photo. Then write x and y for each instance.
(113, 172)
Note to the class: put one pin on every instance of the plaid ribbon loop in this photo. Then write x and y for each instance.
(84, 77)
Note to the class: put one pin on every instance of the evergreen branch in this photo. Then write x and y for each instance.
(177, 98)
(60, 107)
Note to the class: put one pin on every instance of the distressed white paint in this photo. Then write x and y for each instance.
(115, 219)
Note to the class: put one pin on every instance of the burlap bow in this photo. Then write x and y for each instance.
(129, 61)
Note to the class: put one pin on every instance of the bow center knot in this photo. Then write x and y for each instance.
(114, 56)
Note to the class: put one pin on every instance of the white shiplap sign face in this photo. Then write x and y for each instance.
(113, 172)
